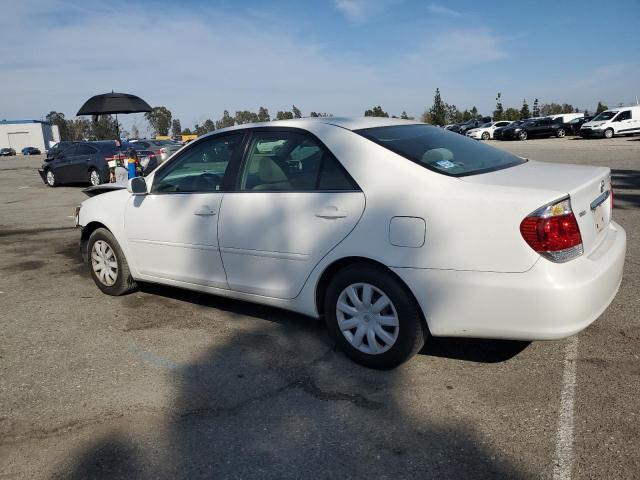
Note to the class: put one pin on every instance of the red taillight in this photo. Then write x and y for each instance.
(553, 232)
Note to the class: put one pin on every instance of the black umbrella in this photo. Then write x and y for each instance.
(109, 103)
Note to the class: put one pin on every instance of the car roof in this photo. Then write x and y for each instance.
(348, 123)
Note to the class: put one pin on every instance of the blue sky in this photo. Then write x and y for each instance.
(339, 56)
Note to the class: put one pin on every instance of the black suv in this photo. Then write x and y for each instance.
(7, 152)
(82, 162)
(537, 127)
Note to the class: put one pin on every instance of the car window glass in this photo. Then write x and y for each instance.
(440, 150)
(626, 115)
(291, 161)
(69, 152)
(85, 150)
(200, 168)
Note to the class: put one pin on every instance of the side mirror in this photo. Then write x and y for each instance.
(137, 186)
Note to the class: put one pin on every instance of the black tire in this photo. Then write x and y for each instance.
(50, 178)
(485, 135)
(124, 282)
(560, 133)
(608, 133)
(522, 135)
(411, 331)
(92, 173)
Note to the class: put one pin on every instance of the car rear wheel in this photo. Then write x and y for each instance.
(608, 133)
(372, 317)
(485, 136)
(522, 135)
(94, 177)
(52, 181)
(107, 265)
(560, 133)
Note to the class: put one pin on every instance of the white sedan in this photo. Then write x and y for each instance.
(390, 230)
(485, 131)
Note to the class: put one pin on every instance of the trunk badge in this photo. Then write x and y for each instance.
(601, 186)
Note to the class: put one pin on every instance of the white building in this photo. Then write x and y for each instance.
(18, 134)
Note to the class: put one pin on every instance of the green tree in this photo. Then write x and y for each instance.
(376, 112)
(159, 119)
(78, 129)
(601, 108)
(187, 131)
(135, 132)
(474, 113)
(511, 114)
(176, 128)
(404, 115)
(57, 118)
(524, 111)
(245, 116)
(104, 127)
(263, 115)
(453, 114)
(226, 121)
(498, 113)
(536, 108)
(286, 115)
(296, 112)
(466, 115)
(567, 108)
(547, 109)
(437, 114)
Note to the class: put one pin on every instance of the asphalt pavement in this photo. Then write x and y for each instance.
(165, 383)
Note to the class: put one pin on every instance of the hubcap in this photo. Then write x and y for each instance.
(367, 318)
(104, 263)
(95, 178)
(50, 178)
(561, 133)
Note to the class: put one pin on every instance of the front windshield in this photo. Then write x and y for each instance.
(440, 150)
(605, 116)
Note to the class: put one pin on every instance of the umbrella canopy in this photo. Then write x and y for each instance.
(113, 103)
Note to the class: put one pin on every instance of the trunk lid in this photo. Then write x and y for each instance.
(589, 189)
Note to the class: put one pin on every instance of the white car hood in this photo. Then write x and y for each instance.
(593, 124)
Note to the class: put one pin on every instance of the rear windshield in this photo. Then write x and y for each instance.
(440, 150)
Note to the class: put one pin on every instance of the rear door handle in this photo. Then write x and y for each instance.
(205, 211)
(331, 212)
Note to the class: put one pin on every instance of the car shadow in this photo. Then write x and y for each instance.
(626, 188)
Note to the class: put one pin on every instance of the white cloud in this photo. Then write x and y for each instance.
(198, 62)
(361, 11)
(441, 10)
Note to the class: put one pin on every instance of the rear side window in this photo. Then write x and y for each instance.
(293, 162)
(440, 150)
(626, 115)
(86, 150)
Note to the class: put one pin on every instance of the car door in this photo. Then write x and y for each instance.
(173, 231)
(292, 204)
(79, 165)
(623, 122)
(63, 162)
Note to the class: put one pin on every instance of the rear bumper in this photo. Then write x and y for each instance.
(550, 301)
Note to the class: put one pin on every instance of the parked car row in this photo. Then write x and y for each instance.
(9, 152)
(618, 121)
(87, 162)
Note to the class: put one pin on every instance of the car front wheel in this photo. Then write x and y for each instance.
(485, 136)
(608, 133)
(107, 265)
(522, 135)
(52, 181)
(372, 317)
(560, 133)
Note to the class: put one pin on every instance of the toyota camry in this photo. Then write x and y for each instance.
(392, 231)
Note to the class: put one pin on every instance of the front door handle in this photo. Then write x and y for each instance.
(205, 211)
(331, 212)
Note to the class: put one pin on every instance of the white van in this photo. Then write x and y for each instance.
(566, 117)
(616, 121)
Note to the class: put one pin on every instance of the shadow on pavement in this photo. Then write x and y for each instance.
(276, 400)
(626, 188)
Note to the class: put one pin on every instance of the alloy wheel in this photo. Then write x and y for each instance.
(560, 133)
(94, 178)
(104, 263)
(51, 178)
(367, 318)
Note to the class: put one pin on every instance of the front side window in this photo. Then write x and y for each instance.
(85, 150)
(201, 168)
(291, 161)
(626, 115)
(440, 150)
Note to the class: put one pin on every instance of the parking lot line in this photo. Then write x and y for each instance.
(563, 459)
